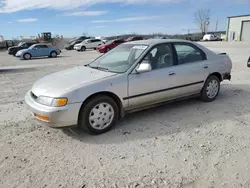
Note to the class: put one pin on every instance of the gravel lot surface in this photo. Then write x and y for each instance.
(185, 144)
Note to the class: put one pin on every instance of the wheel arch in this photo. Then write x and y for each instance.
(218, 75)
(109, 94)
(26, 53)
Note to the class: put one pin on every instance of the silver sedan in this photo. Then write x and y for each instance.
(133, 76)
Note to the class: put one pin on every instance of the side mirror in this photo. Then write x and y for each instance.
(145, 66)
(248, 63)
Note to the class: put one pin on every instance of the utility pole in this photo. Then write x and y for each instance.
(216, 27)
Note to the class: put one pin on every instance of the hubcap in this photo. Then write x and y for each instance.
(27, 56)
(212, 88)
(101, 116)
(53, 54)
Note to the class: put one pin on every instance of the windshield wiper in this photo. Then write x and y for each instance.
(99, 68)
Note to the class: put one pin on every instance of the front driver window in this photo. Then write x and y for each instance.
(160, 56)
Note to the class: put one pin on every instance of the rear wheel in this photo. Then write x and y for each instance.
(98, 115)
(210, 89)
(27, 56)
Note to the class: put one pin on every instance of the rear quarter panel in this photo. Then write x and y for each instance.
(217, 63)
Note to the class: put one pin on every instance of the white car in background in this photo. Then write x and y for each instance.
(211, 37)
(88, 44)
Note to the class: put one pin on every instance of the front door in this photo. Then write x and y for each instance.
(156, 85)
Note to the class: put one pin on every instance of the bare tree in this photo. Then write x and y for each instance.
(202, 19)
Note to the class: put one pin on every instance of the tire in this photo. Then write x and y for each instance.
(53, 54)
(104, 120)
(210, 89)
(83, 48)
(108, 49)
(27, 56)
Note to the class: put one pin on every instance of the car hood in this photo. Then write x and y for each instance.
(78, 44)
(13, 47)
(60, 83)
(103, 46)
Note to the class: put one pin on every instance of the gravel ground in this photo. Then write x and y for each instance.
(185, 144)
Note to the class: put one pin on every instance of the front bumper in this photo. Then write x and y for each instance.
(77, 47)
(101, 50)
(57, 116)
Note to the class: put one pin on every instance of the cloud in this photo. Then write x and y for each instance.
(8, 6)
(87, 13)
(27, 20)
(128, 19)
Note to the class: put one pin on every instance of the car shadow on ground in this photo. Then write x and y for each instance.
(172, 118)
(39, 58)
(14, 70)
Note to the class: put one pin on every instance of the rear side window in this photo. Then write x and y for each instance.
(188, 53)
(95, 40)
(138, 38)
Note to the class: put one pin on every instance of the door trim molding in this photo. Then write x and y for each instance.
(162, 90)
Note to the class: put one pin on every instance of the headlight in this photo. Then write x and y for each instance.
(49, 101)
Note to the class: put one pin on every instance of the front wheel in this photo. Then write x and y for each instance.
(83, 48)
(99, 115)
(210, 89)
(53, 54)
(27, 56)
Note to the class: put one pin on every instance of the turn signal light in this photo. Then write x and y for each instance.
(61, 102)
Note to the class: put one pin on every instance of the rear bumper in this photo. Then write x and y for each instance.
(227, 76)
(55, 116)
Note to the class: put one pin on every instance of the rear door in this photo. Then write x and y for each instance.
(191, 70)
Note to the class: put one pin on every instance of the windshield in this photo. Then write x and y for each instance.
(32, 46)
(120, 59)
(20, 43)
(109, 42)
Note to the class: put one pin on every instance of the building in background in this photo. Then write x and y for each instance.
(238, 28)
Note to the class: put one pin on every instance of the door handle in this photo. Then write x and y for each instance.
(171, 74)
(205, 66)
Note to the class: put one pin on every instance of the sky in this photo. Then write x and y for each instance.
(72, 18)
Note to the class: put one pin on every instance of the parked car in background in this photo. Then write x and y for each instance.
(134, 38)
(82, 38)
(71, 45)
(22, 45)
(109, 45)
(133, 76)
(211, 37)
(88, 44)
(38, 50)
(248, 62)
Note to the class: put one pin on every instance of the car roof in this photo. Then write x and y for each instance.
(152, 42)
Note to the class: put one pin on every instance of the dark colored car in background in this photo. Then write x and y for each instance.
(22, 45)
(82, 38)
(134, 38)
(248, 63)
(109, 45)
(71, 45)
